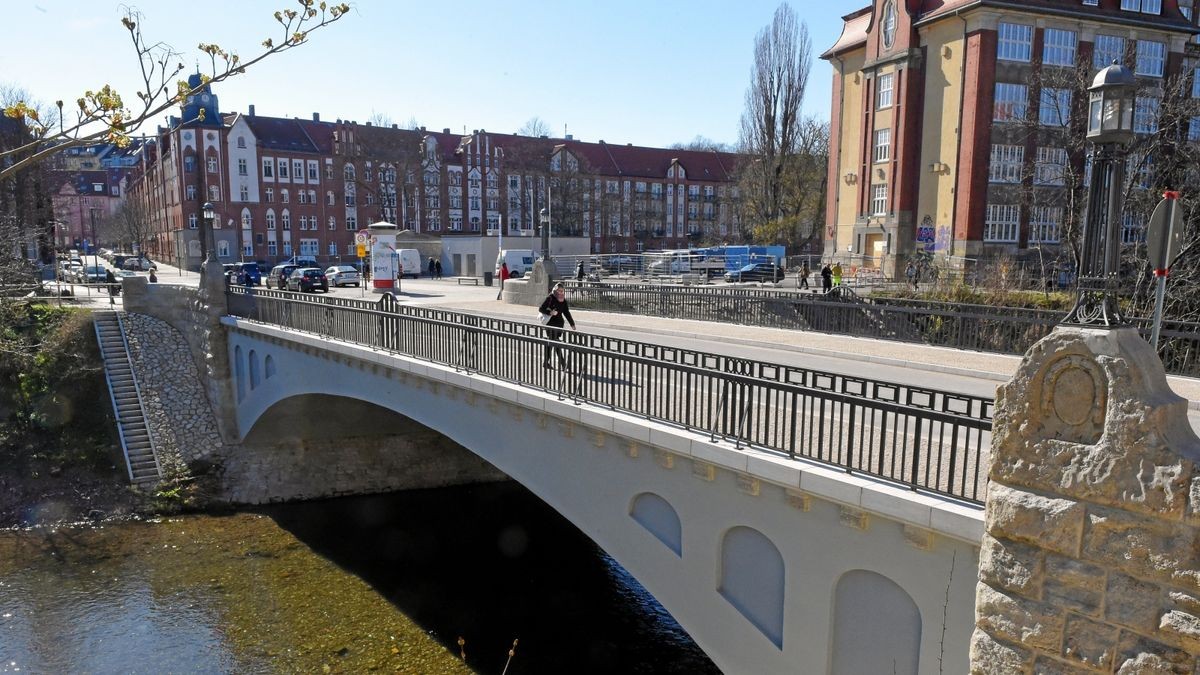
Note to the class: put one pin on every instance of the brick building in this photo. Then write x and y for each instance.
(951, 119)
(284, 187)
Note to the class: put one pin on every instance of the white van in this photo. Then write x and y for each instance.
(410, 262)
(520, 261)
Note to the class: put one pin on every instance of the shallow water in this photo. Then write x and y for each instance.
(387, 583)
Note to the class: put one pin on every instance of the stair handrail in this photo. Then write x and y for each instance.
(113, 397)
(137, 389)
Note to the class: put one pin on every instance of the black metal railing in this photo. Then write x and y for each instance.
(924, 438)
(1006, 330)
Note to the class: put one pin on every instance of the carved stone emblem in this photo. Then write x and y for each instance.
(1074, 398)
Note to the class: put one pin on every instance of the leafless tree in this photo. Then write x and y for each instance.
(772, 128)
(535, 127)
(702, 143)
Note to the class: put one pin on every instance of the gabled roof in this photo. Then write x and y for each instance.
(284, 135)
(639, 162)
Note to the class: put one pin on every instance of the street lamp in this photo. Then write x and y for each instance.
(544, 220)
(206, 249)
(1109, 128)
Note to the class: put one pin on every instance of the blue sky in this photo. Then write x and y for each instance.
(647, 72)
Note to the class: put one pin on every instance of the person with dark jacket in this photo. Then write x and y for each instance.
(432, 267)
(437, 268)
(555, 307)
(826, 278)
(579, 271)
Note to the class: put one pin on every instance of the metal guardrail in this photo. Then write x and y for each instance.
(976, 327)
(923, 438)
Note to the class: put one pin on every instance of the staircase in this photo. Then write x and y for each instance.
(136, 441)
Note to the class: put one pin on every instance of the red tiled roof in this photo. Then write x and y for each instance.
(854, 32)
(640, 162)
(284, 135)
(1108, 10)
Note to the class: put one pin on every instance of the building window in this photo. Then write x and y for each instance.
(287, 248)
(1145, 114)
(330, 200)
(270, 220)
(298, 169)
(1010, 102)
(270, 194)
(1092, 3)
(191, 193)
(312, 171)
(1058, 47)
(1055, 108)
(189, 164)
(1151, 56)
(283, 168)
(1015, 42)
(1006, 162)
(332, 248)
(192, 221)
(1107, 49)
(212, 164)
(285, 196)
(1002, 223)
(268, 168)
(242, 170)
(287, 220)
(883, 145)
(214, 193)
(244, 193)
(241, 141)
(1194, 129)
(351, 222)
(272, 248)
(879, 200)
(332, 223)
(1044, 224)
(1132, 229)
(1051, 166)
(1143, 6)
(883, 98)
(888, 25)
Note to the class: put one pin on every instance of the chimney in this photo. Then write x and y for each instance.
(570, 137)
(316, 117)
(369, 123)
(251, 110)
(395, 126)
(445, 130)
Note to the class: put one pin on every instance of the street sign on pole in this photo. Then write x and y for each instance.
(1164, 238)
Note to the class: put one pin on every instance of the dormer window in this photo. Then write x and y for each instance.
(888, 25)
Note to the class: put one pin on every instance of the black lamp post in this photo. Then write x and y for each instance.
(1110, 128)
(206, 249)
(544, 220)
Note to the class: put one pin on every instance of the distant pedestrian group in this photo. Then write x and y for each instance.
(435, 268)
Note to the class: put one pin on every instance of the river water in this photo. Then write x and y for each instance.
(386, 583)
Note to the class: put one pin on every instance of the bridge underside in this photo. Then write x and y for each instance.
(318, 445)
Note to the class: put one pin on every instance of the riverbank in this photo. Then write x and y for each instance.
(42, 491)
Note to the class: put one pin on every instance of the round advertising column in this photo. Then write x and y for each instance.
(382, 244)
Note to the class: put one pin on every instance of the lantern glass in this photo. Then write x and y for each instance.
(209, 211)
(1094, 108)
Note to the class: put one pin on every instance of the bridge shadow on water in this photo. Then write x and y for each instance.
(492, 563)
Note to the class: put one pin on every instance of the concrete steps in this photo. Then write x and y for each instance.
(136, 439)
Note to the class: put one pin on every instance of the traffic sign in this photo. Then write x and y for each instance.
(362, 250)
(1164, 233)
(360, 238)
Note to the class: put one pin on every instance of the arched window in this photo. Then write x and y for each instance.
(241, 141)
(269, 368)
(870, 609)
(287, 220)
(222, 249)
(752, 580)
(270, 219)
(887, 26)
(660, 519)
(349, 172)
(247, 219)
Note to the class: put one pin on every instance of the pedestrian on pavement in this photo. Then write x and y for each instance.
(555, 307)
(503, 278)
(802, 281)
(579, 271)
(432, 267)
(910, 273)
(437, 268)
(153, 275)
(826, 278)
(837, 273)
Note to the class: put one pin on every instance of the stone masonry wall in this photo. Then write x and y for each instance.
(1091, 558)
(183, 424)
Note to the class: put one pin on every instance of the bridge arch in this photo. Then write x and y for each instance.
(871, 609)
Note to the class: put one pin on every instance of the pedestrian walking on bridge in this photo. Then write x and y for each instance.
(826, 278)
(554, 311)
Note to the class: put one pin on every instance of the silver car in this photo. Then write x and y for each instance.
(342, 275)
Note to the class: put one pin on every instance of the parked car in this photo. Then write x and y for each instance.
(279, 275)
(619, 263)
(762, 271)
(307, 279)
(342, 275)
(137, 264)
(236, 273)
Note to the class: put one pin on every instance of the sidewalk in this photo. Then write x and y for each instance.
(982, 365)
